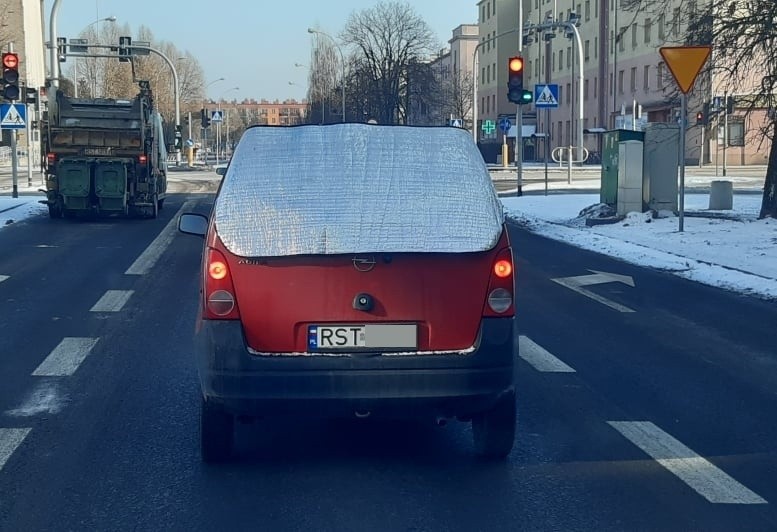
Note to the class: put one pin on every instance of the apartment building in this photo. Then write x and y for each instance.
(251, 112)
(625, 84)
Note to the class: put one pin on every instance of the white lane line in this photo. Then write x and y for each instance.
(10, 439)
(148, 258)
(539, 357)
(112, 301)
(572, 285)
(66, 357)
(700, 474)
(3, 278)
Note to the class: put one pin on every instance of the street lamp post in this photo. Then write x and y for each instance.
(75, 64)
(342, 59)
(218, 124)
(204, 135)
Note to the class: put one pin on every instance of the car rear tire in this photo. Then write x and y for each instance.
(217, 433)
(493, 431)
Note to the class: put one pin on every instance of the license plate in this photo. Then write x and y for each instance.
(97, 151)
(362, 336)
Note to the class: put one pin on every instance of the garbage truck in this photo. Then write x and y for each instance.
(104, 156)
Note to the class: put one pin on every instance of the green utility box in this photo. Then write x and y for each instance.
(610, 146)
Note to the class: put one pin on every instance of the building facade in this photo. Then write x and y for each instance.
(626, 84)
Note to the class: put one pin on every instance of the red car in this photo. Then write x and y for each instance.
(356, 270)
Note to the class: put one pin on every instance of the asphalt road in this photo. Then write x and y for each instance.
(662, 418)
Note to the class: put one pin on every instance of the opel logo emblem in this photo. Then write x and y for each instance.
(364, 264)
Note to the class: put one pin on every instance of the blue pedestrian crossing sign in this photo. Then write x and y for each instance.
(546, 96)
(13, 116)
(217, 116)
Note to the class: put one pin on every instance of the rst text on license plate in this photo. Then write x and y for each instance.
(362, 336)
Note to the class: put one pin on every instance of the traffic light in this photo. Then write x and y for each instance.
(703, 116)
(205, 118)
(124, 49)
(515, 80)
(11, 76)
(62, 49)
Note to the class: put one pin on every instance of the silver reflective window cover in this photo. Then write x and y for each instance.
(356, 188)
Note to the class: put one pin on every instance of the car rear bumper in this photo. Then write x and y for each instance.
(392, 385)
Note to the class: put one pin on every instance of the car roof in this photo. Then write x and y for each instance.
(356, 188)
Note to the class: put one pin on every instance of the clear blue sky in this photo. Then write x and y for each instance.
(252, 43)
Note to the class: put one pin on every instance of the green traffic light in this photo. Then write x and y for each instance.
(526, 97)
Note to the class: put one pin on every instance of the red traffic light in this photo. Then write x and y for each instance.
(10, 60)
(515, 64)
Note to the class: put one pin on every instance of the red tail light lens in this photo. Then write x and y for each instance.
(217, 270)
(501, 286)
(503, 268)
(51, 158)
(142, 159)
(220, 301)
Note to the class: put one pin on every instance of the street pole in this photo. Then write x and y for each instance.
(725, 132)
(28, 129)
(519, 115)
(54, 60)
(683, 121)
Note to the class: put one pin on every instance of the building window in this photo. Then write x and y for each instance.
(610, 85)
(493, 102)
(596, 47)
(596, 87)
(569, 57)
(488, 74)
(661, 30)
(612, 40)
(569, 92)
(493, 7)
(621, 42)
(647, 77)
(488, 105)
(560, 94)
(483, 75)
(587, 50)
(620, 82)
(660, 76)
(633, 81)
(648, 29)
(585, 89)
(587, 10)
(634, 35)
(569, 132)
(676, 21)
(561, 59)
(560, 132)
(554, 61)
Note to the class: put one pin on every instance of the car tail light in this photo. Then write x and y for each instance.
(51, 158)
(142, 159)
(220, 302)
(501, 286)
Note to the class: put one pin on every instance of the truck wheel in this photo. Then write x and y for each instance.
(493, 431)
(217, 433)
(55, 210)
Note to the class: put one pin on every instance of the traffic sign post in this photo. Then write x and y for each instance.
(504, 126)
(685, 63)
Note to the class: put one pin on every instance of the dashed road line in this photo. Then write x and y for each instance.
(700, 474)
(112, 301)
(150, 256)
(10, 439)
(539, 357)
(66, 357)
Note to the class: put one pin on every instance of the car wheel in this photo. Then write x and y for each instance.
(493, 431)
(217, 433)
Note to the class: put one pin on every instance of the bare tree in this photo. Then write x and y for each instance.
(744, 56)
(322, 81)
(390, 40)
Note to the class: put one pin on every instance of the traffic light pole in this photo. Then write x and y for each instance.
(519, 115)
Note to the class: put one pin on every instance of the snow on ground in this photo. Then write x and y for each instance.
(738, 254)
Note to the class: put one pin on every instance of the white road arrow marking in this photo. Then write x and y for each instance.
(597, 277)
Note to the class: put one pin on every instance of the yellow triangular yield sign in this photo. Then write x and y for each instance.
(685, 63)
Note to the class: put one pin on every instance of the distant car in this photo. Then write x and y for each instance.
(356, 270)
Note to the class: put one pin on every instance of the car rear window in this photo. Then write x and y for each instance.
(356, 188)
